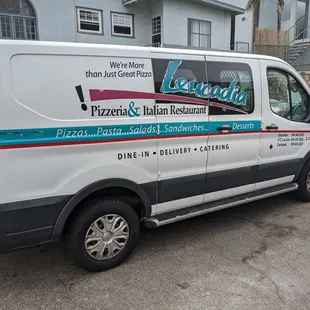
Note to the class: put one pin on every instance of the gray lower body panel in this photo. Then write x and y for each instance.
(178, 215)
(28, 223)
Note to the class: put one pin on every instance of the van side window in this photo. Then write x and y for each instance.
(287, 97)
(237, 78)
(188, 70)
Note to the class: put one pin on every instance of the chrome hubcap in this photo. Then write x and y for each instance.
(308, 182)
(106, 237)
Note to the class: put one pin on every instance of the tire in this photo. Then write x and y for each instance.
(303, 193)
(93, 219)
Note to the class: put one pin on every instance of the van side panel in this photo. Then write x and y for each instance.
(233, 157)
(184, 130)
(283, 148)
(73, 117)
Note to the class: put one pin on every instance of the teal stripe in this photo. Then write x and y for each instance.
(95, 133)
(175, 129)
(238, 126)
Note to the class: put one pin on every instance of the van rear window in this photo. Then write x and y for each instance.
(237, 78)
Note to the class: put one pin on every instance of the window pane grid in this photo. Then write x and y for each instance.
(19, 28)
(156, 25)
(121, 20)
(204, 28)
(122, 24)
(5, 27)
(31, 29)
(204, 40)
(89, 16)
(89, 21)
(17, 20)
(156, 31)
(200, 33)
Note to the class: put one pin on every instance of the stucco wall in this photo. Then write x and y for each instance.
(244, 28)
(268, 15)
(55, 22)
(176, 14)
(58, 22)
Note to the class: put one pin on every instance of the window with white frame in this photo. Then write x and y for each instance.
(156, 31)
(89, 20)
(17, 20)
(122, 24)
(199, 33)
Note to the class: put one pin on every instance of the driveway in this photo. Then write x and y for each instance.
(255, 256)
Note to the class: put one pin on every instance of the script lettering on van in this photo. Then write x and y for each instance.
(108, 131)
(247, 126)
(182, 85)
(120, 69)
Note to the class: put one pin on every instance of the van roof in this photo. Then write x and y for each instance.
(168, 50)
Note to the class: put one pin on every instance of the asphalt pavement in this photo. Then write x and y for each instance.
(255, 256)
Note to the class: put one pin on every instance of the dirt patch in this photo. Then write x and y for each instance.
(262, 249)
(276, 230)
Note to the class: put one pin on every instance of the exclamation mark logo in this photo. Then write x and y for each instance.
(81, 96)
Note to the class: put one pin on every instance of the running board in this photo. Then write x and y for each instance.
(186, 213)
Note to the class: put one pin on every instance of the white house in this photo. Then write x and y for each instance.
(195, 23)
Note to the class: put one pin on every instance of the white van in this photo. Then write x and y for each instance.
(97, 139)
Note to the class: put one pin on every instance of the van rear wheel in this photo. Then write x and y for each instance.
(303, 192)
(103, 234)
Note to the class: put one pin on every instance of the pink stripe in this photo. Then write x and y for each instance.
(180, 98)
(227, 107)
(98, 95)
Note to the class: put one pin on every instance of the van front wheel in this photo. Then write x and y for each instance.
(103, 234)
(303, 192)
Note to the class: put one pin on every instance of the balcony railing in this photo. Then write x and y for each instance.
(241, 47)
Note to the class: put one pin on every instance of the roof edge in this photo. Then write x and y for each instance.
(227, 6)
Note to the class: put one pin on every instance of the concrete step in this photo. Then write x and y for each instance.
(293, 47)
(299, 48)
(294, 54)
(300, 45)
(302, 41)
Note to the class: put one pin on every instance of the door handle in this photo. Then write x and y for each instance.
(272, 127)
(224, 128)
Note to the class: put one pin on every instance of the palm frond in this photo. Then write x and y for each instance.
(252, 4)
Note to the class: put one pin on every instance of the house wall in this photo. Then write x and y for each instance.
(244, 29)
(244, 24)
(58, 22)
(288, 14)
(156, 8)
(55, 22)
(268, 15)
(176, 14)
